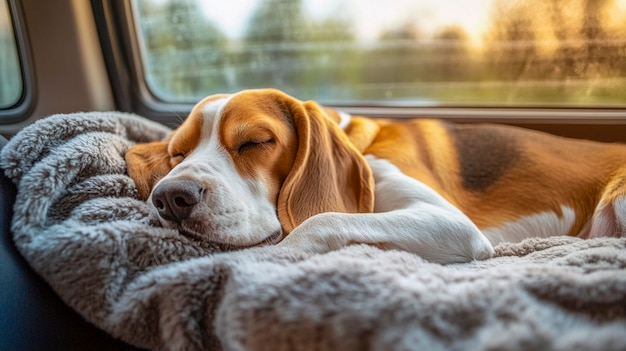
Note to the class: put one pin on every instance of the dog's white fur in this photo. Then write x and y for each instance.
(408, 216)
(541, 225)
(235, 209)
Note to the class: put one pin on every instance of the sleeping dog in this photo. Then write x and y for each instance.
(261, 167)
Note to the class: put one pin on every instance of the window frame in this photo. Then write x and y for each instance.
(115, 24)
(142, 101)
(26, 103)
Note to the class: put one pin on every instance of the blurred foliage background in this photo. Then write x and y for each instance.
(530, 52)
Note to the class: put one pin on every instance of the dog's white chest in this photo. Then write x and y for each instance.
(542, 224)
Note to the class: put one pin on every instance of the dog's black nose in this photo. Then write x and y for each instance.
(175, 199)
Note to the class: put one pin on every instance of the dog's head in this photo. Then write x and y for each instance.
(247, 168)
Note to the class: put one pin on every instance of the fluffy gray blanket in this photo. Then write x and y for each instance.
(79, 224)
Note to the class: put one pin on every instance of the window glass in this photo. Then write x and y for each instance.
(402, 52)
(10, 72)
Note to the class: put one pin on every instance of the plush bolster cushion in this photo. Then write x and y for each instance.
(33, 317)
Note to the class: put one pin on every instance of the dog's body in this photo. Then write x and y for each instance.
(262, 167)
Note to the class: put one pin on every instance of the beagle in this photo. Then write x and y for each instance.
(261, 167)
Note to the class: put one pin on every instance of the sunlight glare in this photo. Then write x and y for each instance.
(370, 18)
(230, 16)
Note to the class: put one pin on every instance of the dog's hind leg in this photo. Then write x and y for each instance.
(609, 218)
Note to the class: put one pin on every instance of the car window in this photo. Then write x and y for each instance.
(388, 52)
(10, 72)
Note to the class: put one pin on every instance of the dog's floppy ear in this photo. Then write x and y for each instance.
(146, 164)
(328, 173)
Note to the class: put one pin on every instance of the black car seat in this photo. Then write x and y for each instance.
(33, 317)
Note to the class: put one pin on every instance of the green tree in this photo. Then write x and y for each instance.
(297, 53)
(393, 62)
(455, 62)
(185, 50)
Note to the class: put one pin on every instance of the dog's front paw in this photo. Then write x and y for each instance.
(318, 234)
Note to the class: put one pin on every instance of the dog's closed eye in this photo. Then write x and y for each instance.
(254, 144)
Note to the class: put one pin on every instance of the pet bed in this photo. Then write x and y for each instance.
(79, 223)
